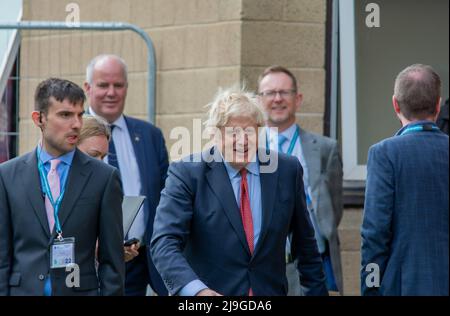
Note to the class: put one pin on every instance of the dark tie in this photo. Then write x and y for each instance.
(112, 155)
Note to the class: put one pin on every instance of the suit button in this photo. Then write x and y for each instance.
(41, 277)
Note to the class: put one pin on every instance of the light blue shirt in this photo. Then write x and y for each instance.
(63, 172)
(254, 187)
(298, 152)
(62, 169)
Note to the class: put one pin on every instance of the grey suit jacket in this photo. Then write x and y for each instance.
(325, 179)
(90, 210)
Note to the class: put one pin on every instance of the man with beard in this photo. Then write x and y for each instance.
(55, 203)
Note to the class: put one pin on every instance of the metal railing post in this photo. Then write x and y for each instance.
(102, 26)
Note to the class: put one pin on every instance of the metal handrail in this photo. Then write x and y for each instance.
(102, 26)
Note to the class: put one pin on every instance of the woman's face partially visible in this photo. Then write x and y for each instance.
(95, 146)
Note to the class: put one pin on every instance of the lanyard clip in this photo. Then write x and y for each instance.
(59, 237)
(427, 127)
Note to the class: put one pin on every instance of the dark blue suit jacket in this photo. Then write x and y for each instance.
(405, 225)
(198, 231)
(151, 155)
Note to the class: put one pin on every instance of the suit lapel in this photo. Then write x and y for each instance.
(31, 181)
(269, 183)
(219, 183)
(78, 175)
(311, 152)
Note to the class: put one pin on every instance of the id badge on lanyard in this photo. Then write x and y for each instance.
(62, 252)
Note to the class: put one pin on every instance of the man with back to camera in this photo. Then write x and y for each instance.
(405, 225)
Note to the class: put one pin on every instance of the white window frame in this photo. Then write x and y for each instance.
(352, 170)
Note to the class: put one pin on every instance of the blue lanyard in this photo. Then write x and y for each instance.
(420, 128)
(289, 152)
(292, 143)
(49, 195)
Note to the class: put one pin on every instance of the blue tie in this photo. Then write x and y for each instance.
(281, 140)
(112, 155)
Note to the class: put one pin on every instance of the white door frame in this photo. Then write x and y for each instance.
(352, 171)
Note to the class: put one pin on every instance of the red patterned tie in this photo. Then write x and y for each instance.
(246, 214)
(246, 211)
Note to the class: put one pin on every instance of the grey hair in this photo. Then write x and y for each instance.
(90, 67)
(232, 102)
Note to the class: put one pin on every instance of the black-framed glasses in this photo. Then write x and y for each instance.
(271, 94)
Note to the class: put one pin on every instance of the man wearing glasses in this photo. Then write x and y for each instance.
(319, 157)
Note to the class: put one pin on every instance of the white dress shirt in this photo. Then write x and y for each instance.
(129, 171)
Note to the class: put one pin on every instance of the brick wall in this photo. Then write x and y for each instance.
(200, 45)
(350, 237)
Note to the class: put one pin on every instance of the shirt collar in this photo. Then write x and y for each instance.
(288, 133)
(252, 167)
(120, 122)
(400, 131)
(45, 157)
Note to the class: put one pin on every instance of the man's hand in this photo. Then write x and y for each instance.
(208, 292)
(131, 252)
